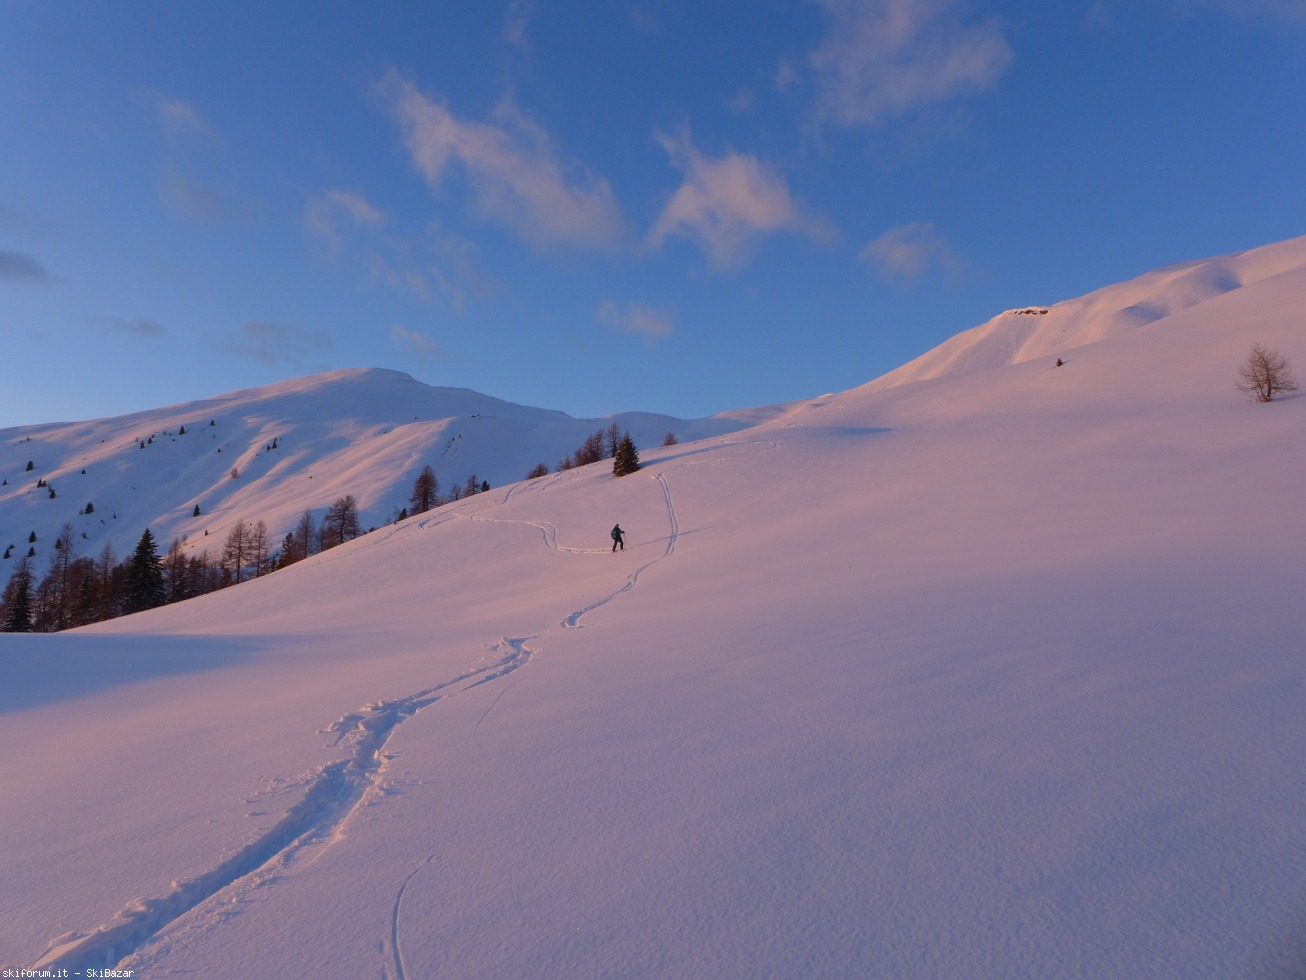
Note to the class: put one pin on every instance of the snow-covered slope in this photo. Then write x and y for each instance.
(270, 453)
(1028, 333)
(995, 676)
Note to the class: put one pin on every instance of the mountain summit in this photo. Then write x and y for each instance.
(1025, 334)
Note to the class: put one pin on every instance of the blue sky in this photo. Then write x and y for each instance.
(606, 205)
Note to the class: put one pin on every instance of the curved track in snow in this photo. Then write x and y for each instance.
(333, 793)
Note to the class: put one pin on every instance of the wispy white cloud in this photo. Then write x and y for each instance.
(884, 58)
(138, 327)
(180, 119)
(277, 344)
(634, 318)
(20, 268)
(905, 253)
(414, 344)
(726, 203)
(324, 214)
(519, 16)
(517, 175)
(196, 179)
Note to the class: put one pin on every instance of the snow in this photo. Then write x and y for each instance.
(996, 673)
(294, 445)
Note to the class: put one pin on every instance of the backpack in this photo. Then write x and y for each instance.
(615, 534)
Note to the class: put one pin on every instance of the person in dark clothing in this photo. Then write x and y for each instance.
(617, 541)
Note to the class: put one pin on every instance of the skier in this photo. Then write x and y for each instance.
(617, 541)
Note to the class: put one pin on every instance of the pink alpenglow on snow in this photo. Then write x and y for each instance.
(988, 668)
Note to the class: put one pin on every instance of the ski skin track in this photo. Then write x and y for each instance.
(336, 791)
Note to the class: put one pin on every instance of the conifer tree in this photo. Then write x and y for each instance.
(17, 600)
(340, 523)
(591, 450)
(236, 551)
(626, 458)
(305, 535)
(143, 586)
(425, 488)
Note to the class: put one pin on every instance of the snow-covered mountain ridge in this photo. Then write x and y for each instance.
(271, 452)
(995, 675)
(1010, 338)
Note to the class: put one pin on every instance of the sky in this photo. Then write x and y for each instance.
(606, 205)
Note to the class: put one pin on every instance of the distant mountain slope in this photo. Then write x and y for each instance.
(1031, 332)
(999, 675)
(268, 453)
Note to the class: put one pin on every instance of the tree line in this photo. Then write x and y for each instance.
(78, 590)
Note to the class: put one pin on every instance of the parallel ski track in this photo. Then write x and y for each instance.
(334, 791)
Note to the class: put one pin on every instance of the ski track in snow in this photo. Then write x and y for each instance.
(573, 620)
(334, 793)
(396, 950)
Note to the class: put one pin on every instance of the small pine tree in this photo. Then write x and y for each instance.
(31, 538)
(17, 600)
(670, 439)
(539, 470)
(181, 431)
(143, 583)
(196, 511)
(626, 458)
(90, 507)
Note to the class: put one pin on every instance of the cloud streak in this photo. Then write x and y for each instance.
(277, 344)
(138, 328)
(324, 216)
(517, 176)
(725, 204)
(634, 318)
(885, 58)
(180, 119)
(905, 253)
(16, 267)
(413, 343)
